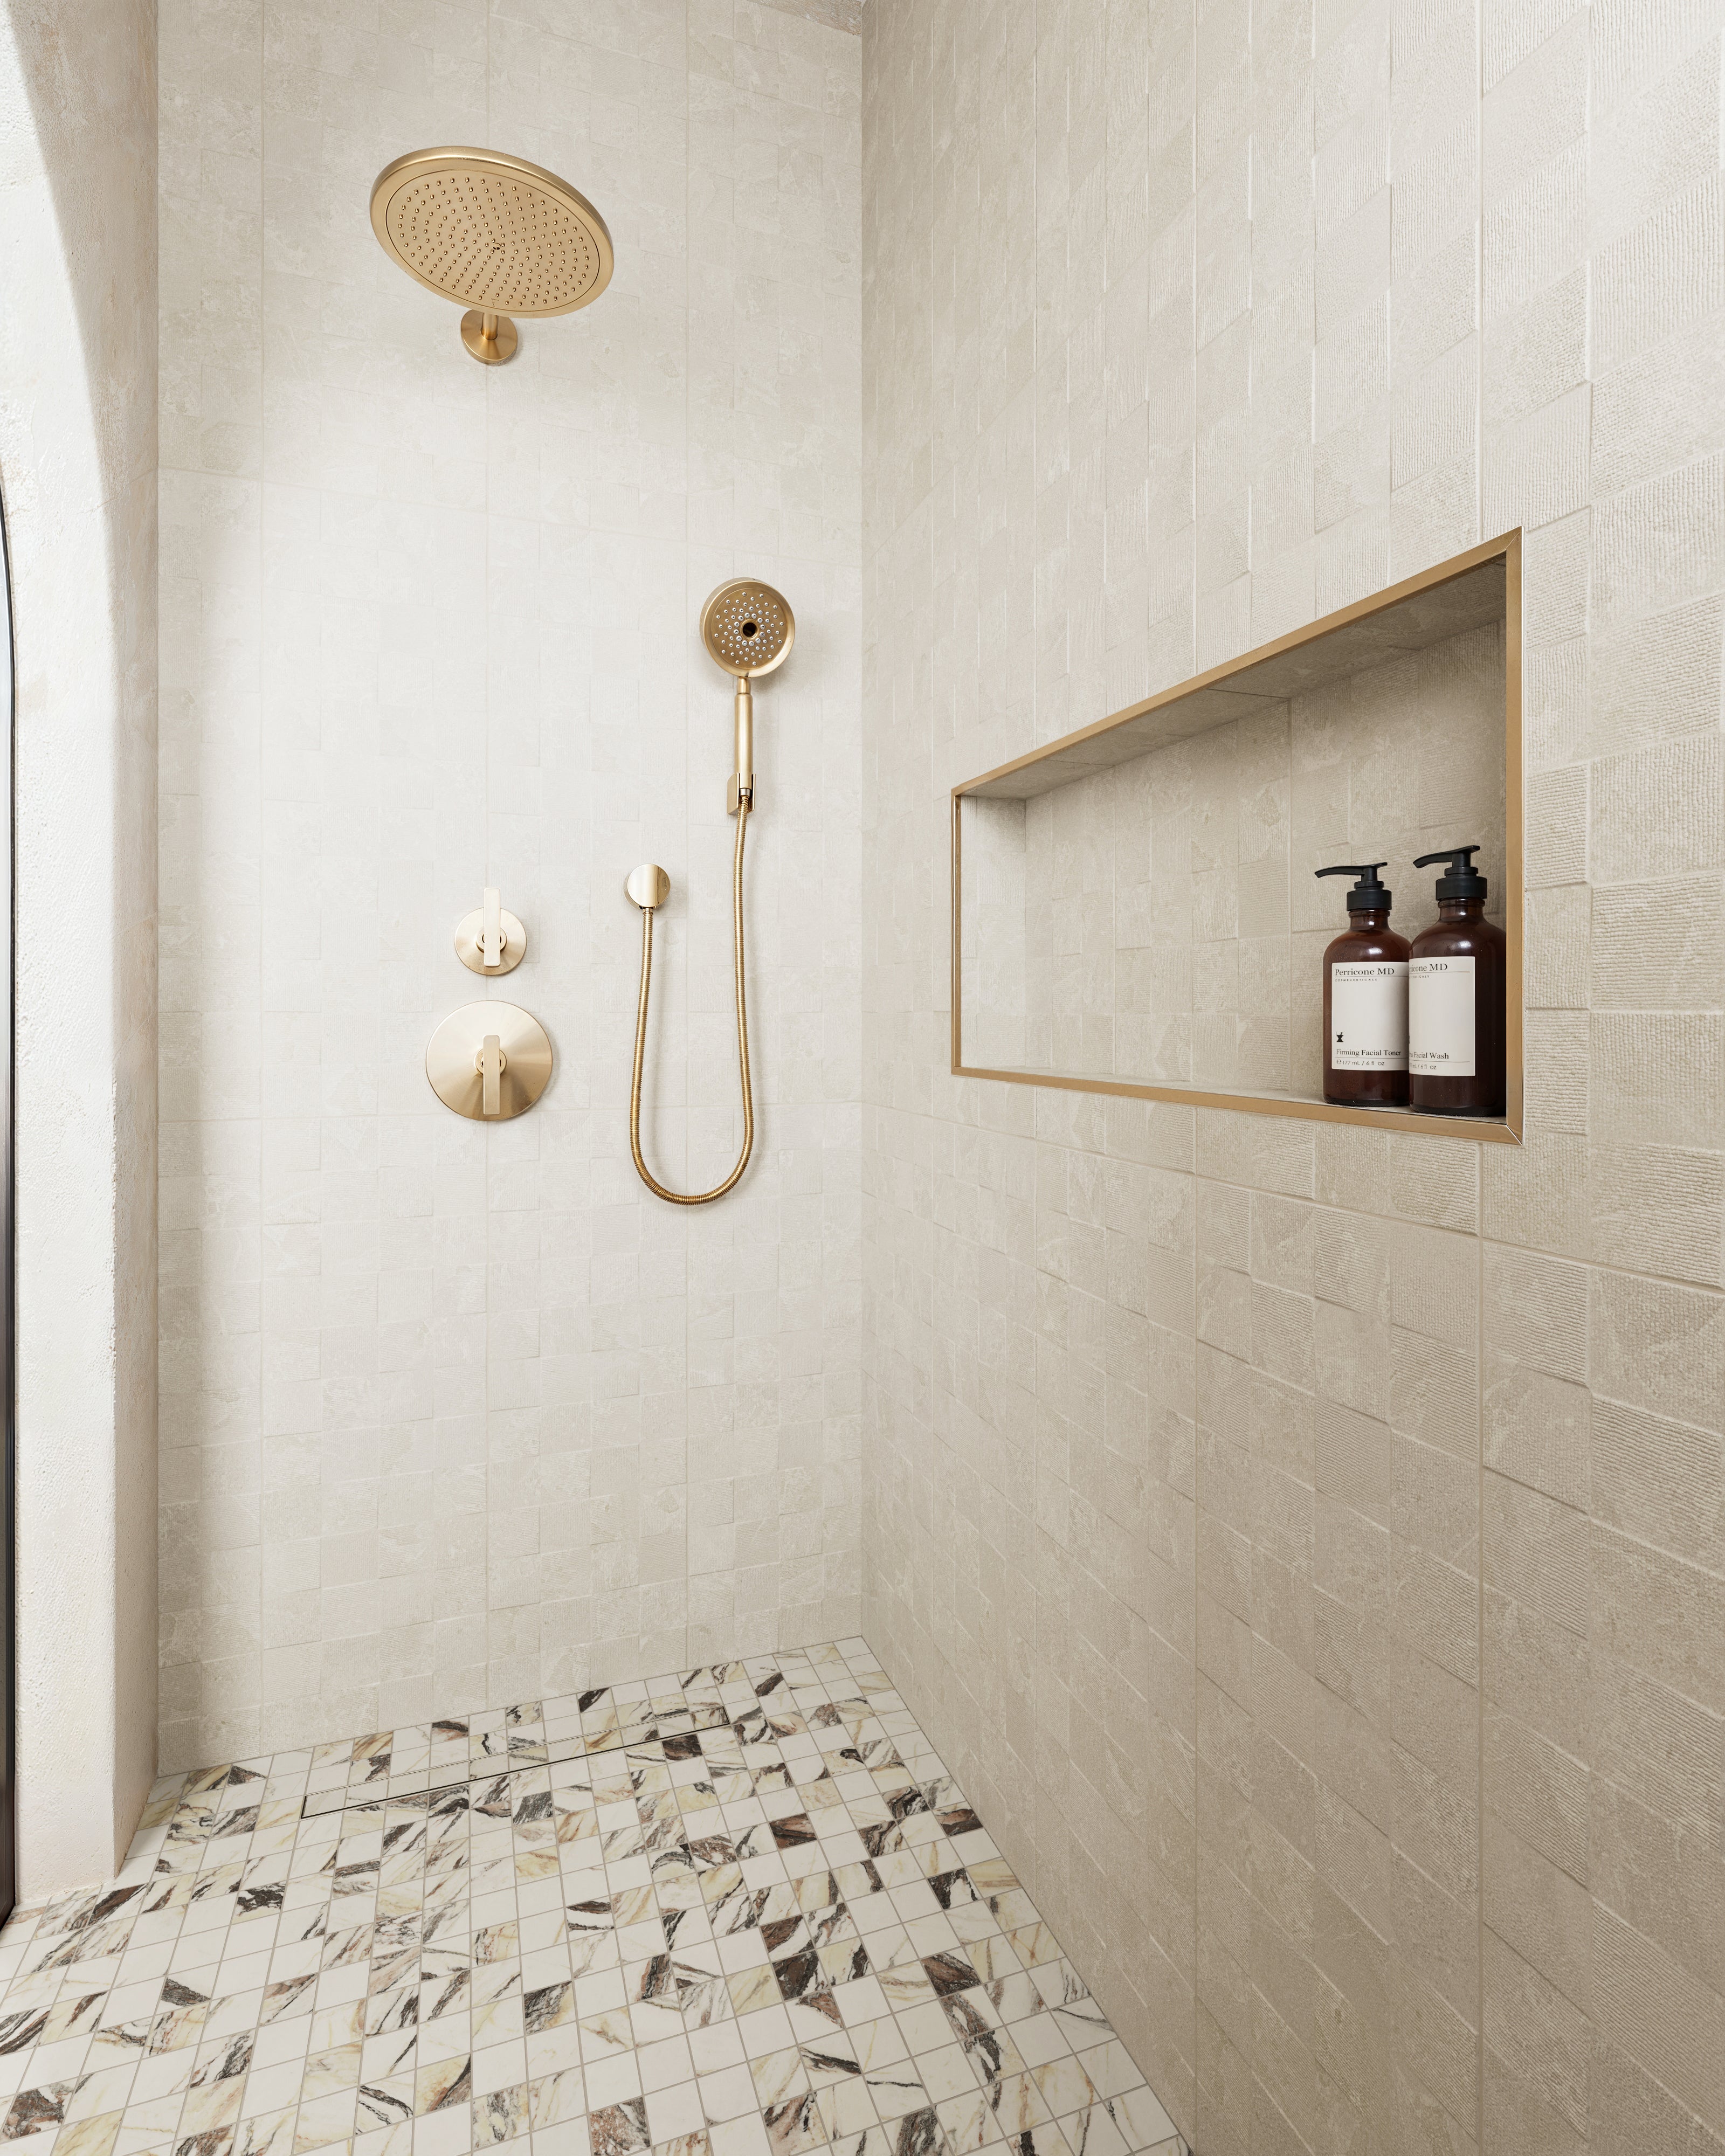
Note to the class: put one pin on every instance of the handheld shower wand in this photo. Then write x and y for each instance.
(748, 630)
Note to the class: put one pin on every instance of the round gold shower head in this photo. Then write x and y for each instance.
(747, 627)
(496, 235)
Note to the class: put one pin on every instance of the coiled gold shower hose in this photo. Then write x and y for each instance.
(659, 1190)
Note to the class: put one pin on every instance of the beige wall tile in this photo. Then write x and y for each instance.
(1537, 1552)
(1539, 2040)
(1658, 1076)
(1661, 1208)
(1538, 1428)
(1630, 2110)
(1556, 1053)
(1536, 1193)
(1660, 1615)
(1660, 1481)
(1661, 807)
(1541, 1914)
(1657, 1346)
(1657, 2011)
(1540, 1791)
(1659, 946)
(1661, 1878)
(1654, 677)
(1557, 958)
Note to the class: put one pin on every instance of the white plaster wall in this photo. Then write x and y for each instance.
(77, 466)
(455, 1416)
(1309, 1543)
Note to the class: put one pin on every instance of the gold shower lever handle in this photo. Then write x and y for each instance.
(490, 1063)
(491, 935)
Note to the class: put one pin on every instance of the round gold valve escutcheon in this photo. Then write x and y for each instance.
(489, 1061)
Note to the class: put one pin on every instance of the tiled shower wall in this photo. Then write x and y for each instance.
(1310, 1543)
(450, 1416)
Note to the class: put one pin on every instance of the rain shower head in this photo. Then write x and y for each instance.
(747, 627)
(493, 233)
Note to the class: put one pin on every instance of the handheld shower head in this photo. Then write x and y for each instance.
(747, 628)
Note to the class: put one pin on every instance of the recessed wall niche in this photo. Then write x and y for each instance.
(1134, 905)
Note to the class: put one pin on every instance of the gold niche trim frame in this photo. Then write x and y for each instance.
(1508, 1130)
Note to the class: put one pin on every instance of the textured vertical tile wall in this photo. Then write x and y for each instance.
(1310, 1543)
(454, 1416)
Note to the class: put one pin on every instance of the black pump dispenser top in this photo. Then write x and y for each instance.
(1368, 895)
(1463, 880)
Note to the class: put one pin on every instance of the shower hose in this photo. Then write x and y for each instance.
(659, 1190)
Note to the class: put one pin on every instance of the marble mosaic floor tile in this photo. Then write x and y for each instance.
(745, 1912)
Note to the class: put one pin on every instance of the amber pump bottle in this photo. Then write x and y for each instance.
(1365, 999)
(1456, 980)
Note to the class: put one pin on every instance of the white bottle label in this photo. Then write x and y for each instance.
(1440, 1042)
(1368, 1015)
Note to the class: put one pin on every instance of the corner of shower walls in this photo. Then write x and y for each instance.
(1033, 1724)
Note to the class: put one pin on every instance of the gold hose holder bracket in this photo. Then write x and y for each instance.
(648, 887)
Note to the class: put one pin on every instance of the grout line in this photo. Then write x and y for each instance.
(1479, 1832)
(666, 1006)
(1197, 1176)
(486, 848)
(197, 1118)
